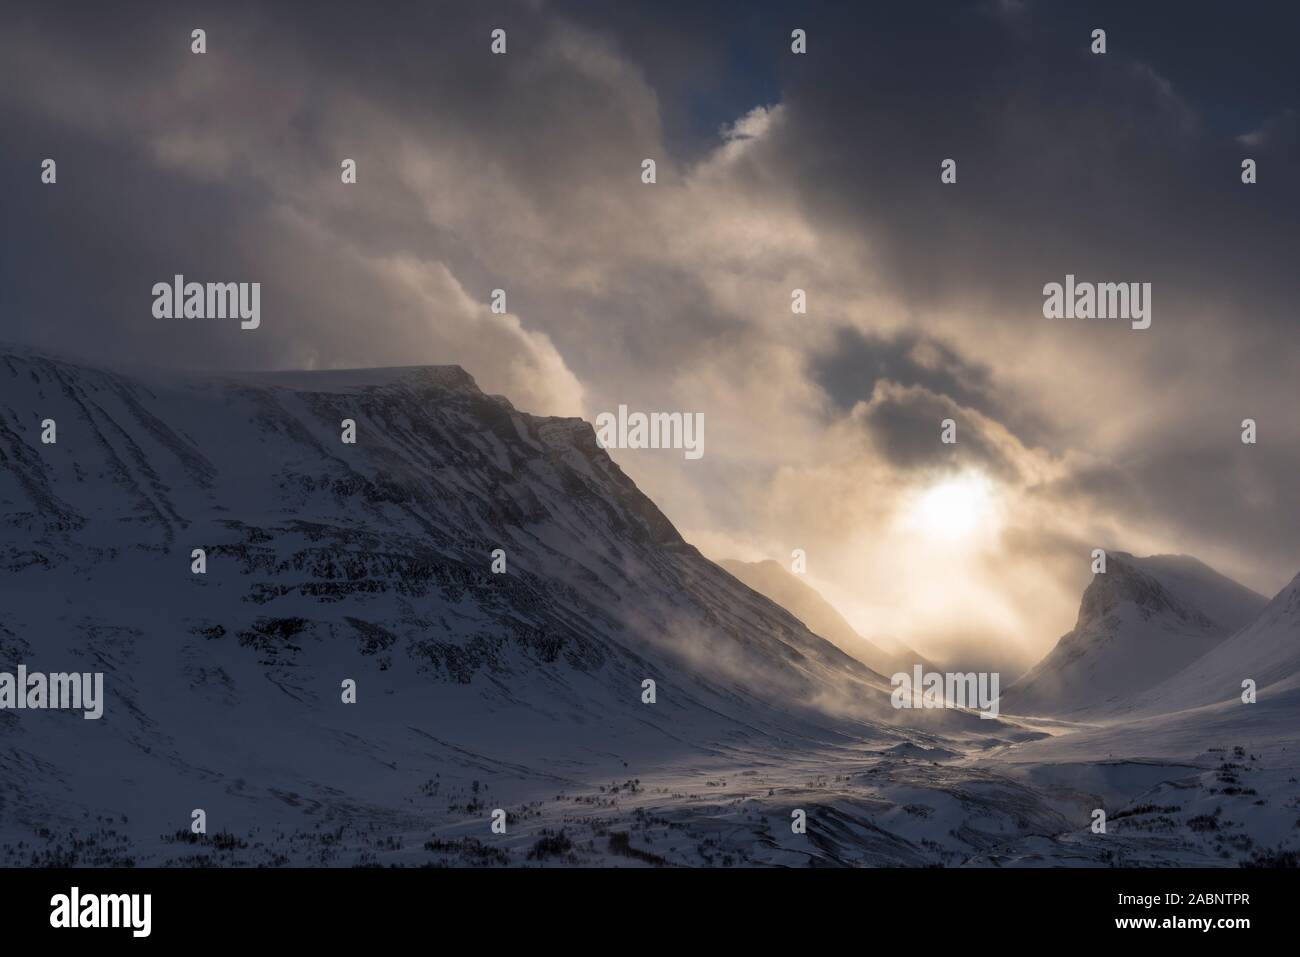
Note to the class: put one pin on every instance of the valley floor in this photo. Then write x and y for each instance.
(908, 805)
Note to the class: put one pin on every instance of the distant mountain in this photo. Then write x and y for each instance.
(771, 579)
(1141, 622)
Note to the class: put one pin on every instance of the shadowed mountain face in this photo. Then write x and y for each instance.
(803, 601)
(1140, 622)
(297, 523)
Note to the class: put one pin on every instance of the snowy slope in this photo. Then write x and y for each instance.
(771, 579)
(1140, 622)
(1209, 785)
(371, 561)
(1267, 651)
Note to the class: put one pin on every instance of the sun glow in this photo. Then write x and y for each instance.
(955, 508)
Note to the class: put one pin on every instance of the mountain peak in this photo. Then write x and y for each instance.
(1139, 622)
(1163, 584)
(1128, 579)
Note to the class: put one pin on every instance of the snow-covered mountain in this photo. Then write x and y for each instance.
(476, 690)
(1187, 771)
(770, 578)
(1140, 622)
(371, 561)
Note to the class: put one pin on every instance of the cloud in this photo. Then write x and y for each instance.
(905, 423)
(776, 172)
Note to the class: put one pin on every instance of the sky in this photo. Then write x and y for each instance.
(776, 171)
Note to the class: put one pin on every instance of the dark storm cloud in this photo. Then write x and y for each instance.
(1067, 161)
(855, 361)
(905, 426)
(859, 360)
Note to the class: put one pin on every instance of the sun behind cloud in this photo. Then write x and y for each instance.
(955, 509)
